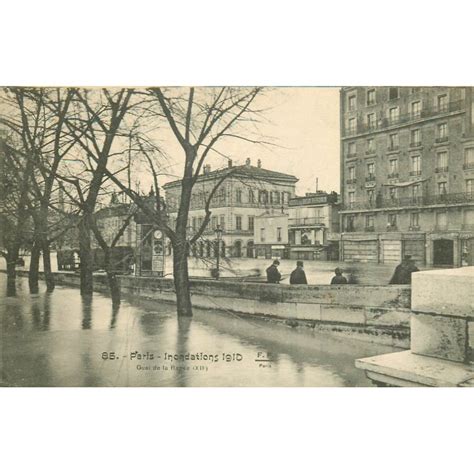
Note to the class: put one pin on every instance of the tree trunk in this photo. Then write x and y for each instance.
(181, 280)
(114, 284)
(34, 267)
(85, 255)
(11, 258)
(48, 274)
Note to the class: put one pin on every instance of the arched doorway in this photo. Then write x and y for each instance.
(443, 252)
(250, 249)
(237, 249)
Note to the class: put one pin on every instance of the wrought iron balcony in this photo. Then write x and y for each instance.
(441, 169)
(382, 203)
(351, 155)
(442, 139)
(371, 177)
(468, 166)
(393, 175)
(415, 173)
(351, 181)
(426, 112)
(415, 144)
(370, 152)
(306, 221)
(393, 148)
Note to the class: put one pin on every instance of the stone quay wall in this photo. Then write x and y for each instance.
(376, 313)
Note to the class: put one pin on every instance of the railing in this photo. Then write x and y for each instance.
(393, 148)
(370, 228)
(370, 152)
(468, 166)
(351, 181)
(442, 139)
(371, 177)
(441, 169)
(426, 112)
(351, 155)
(415, 173)
(301, 221)
(381, 203)
(415, 144)
(392, 175)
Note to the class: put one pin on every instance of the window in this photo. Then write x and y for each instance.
(393, 114)
(416, 109)
(352, 125)
(200, 221)
(443, 103)
(350, 223)
(416, 192)
(415, 165)
(351, 149)
(415, 137)
(371, 97)
(469, 158)
(369, 222)
(351, 173)
(251, 223)
(393, 166)
(352, 102)
(251, 196)
(371, 170)
(194, 224)
(393, 141)
(238, 222)
(371, 120)
(442, 161)
(393, 193)
(443, 131)
(351, 195)
(262, 234)
(278, 234)
(414, 219)
(370, 145)
(371, 197)
(441, 220)
(263, 197)
(393, 93)
(222, 219)
(392, 221)
(214, 222)
(238, 196)
(470, 187)
(442, 188)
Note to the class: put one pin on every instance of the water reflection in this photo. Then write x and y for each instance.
(52, 330)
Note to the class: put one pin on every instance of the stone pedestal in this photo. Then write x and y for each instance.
(440, 354)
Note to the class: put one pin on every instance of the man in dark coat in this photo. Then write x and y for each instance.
(338, 279)
(402, 274)
(298, 276)
(273, 275)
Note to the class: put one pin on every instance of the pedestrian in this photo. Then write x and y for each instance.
(298, 276)
(338, 279)
(273, 275)
(402, 274)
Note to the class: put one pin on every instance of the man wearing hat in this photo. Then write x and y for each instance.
(298, 276)
(273, 275)
(402, 274)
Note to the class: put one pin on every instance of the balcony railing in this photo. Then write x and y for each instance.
(415, 144)
(369, 228)
(351, 155)
(468, 166)
(393, 148)
(442, 139)
(381, 203)
(370, 152)
(392, 175)
(304, 221)
(426, 112)
(441, 169)
(415, 173)
(351, 181)
(371, 177)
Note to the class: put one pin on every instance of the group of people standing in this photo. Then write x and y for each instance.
(298, 275)
(401, 276)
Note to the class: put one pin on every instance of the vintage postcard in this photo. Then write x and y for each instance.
(237, 236)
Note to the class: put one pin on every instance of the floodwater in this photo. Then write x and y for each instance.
(60, 339)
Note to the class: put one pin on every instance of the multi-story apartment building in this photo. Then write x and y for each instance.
(246, 193)
(271, 234)
(314, 226)
(407, 174)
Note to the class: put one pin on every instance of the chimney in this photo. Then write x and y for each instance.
(259, 163)
(247, 161)
(229, 163)
(207, 169)
(316, 184)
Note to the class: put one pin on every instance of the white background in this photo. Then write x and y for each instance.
(239, 430)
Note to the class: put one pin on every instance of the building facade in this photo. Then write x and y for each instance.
(271, 234)
(247, 192)
(313, 227)
(407, 174)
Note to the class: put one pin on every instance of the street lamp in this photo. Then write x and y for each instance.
(218, 232)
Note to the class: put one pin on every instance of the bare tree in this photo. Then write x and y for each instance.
(199, 121)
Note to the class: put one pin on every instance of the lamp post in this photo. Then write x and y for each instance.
(218, 232)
